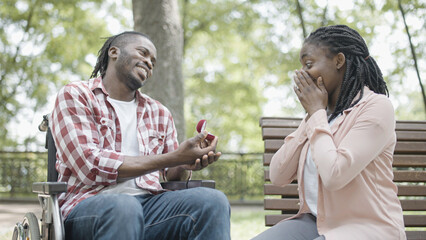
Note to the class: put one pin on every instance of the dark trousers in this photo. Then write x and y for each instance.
(301, 228)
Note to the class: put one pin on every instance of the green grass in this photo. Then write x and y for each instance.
(6, 235)
(247, 222)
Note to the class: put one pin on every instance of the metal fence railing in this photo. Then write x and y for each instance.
(239, 176)
(18, 170)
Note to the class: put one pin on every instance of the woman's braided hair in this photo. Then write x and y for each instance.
(119, 41)
(361, 69)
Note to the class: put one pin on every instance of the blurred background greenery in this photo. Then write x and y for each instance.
(237, 63)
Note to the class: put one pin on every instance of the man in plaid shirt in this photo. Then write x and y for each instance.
(113, 143)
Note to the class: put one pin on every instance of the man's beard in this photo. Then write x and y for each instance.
(133, 83)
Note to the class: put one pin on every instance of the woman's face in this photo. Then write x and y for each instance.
(317, 61)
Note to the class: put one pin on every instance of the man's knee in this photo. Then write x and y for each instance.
(211, 200)
(214, 218)
(122, 206)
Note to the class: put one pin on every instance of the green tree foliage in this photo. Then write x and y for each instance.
(237, 52)
(229, 58)
(405, 83)
(44, 43)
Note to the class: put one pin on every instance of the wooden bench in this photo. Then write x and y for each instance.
(409, 173)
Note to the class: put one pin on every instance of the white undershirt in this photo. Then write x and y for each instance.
(310, 180)
(126, 113)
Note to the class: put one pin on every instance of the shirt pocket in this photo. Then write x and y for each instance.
(156, 142)
(105, 128)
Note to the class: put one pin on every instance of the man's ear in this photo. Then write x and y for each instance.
(113, 52)
(340, 60)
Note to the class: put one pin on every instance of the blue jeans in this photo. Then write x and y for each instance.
(196, 213)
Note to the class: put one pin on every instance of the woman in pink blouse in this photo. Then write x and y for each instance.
(342, 152)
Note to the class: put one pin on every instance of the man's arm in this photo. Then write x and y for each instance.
(178, 173)
(190, 155)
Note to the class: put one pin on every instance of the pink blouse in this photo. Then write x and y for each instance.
(357, 198)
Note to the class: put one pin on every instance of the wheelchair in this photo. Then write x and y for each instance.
(51, 222)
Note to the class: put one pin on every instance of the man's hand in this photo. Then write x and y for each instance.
(193, 154)
(199, 151)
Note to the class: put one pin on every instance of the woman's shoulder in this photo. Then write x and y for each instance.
(377, 100)
(372, 102)
(378, 108)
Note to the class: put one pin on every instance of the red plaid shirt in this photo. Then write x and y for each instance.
(87, 136)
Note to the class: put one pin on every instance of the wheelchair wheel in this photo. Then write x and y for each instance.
(15, 233)
(28, 229)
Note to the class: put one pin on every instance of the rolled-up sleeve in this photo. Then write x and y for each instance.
(78, 140)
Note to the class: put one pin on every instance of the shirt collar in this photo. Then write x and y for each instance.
(97, 83)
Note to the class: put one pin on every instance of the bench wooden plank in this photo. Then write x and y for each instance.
(399, 160)
(292, 190)
(271, 220)
(294, 123)
(280, 122)
(409, 220)
(281, 133)
(411, 125)
(409, 176)
(415, 147)
(412, 190)
(406, 160)
(276, 133)
(399, 176)
(402, 135)
(279, 204)
(415, 220)
(293, 204)
(289, 190)
(267, 158)
(413, 205)
(410, 147)
(416, 235)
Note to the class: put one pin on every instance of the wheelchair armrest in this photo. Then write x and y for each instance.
(49, 187)
(179, 185)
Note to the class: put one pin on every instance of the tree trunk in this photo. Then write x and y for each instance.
(159, 19)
